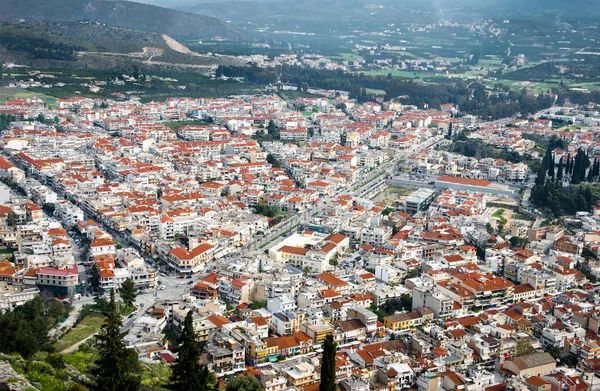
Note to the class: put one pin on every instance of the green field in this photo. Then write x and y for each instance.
(7, 93)
(375, 92)
(399, 73)
(87, 327)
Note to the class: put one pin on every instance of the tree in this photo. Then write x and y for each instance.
(243, 383)
(489, 228)
(271, 128)
(306, 270)
(523, 347)
(517, 242)
(128, 292)
(12, 219)
(328, 382)
(555, 351)
(115, 369)
(272, 159)
(95, 278)
(343, 139)
(559, 171)
(188, 374)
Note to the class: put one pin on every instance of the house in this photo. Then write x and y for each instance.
(185, 261)
(536, 364)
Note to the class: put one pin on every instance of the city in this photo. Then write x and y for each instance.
(299, 236)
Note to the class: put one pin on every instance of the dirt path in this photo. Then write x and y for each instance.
(178, 46)
(74, 347)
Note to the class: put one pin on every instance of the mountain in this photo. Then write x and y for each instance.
(92, 45)
(119, 13)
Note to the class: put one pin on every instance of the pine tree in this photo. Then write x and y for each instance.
(127, 292)
(115, 369)
(188, 374)
(328, 365)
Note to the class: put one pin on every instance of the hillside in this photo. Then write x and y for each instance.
(96, 46)
(125, 14)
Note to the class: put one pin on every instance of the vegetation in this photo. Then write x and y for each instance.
(131, 15)
(433, 95)
(25, 329)
(477, 148)
(95, 277)
(256, 304)
(587, 271)
(562, 200)
(116, 367)
(5, 120)
(517, 242)
(394, 305)
(498, 214)
(188, 374)
(243, 383)
(328, 382)
(39, 48)
(266, 210)
(84, 329)
(128, 292)
(523, 347)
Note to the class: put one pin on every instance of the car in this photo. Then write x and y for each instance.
(181, 276)
(178, 285)
(190, 276)
(162, 288)
(190, 283)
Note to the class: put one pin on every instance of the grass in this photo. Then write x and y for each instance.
(498, 214)
(375, 91)
(518, 216)
(7, 93)
(87, 327)
(399, 73)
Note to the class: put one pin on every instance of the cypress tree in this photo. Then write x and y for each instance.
(559, 171)
(584, 163)
(551, 166)
(541, 176)
(115, 369)
(328, 365)
(188, 374)
(590, 175)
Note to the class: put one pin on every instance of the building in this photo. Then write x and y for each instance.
(536, 364)
(419, 200)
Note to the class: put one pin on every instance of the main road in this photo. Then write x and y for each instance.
(356, 189)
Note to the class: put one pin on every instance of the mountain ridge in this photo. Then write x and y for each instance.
(119, 13)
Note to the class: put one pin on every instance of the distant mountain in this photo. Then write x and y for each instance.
(96, 46)
(118, 13)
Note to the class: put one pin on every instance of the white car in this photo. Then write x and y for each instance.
(162, 288)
